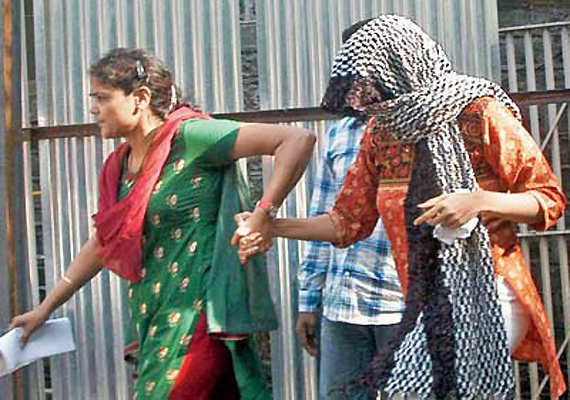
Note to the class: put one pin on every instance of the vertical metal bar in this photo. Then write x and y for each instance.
(564, 269)
(511, 63)
(513, 86)
(12, 231)
(555, 157)
(535, 131)
(531, 83)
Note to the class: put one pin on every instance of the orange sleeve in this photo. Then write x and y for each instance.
(354, 214)
(518, 162)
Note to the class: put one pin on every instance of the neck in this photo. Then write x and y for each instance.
(141, 138)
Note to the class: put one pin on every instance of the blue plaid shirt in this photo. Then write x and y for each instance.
(358, 285)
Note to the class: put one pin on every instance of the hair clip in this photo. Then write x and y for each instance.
(141, 73)
(173, 98)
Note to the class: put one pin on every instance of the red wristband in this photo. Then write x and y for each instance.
(268, 207)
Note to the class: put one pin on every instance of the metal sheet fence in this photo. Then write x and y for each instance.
(537, 57)
(297, 40)
(200, 41)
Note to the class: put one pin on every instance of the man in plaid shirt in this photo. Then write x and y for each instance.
(357, 288)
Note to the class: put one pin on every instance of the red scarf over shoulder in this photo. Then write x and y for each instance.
(119, 224)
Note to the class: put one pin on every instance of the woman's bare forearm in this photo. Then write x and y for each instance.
(516, 207)
(291, 159)
(83, 267)
(315, 228)
(291, 147)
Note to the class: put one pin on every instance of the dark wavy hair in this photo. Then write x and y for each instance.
(130, 69)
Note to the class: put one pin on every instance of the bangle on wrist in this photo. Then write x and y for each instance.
(268, 207)
(66, 279)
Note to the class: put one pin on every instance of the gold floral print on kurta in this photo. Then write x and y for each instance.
(178, 165)
(173, 268)
(159, 252)
(172, 200)
(174, 318)
(155, 219)
(197, 305)
(196, 181)
(172, 374)
(162, 352)
(185, 340)
(184, 284)
(173, 260)
(157, 187)
(195, 213)
(152, 330)
(156, 288)
(176, 234)
(149, 387)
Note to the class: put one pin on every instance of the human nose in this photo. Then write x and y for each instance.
(94, 109)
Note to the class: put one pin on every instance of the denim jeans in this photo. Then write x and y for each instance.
(345, 351)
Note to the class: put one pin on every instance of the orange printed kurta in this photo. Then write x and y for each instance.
(505, 158)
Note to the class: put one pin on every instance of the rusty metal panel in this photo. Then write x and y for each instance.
(14, 285)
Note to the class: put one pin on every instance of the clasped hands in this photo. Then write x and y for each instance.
(255, 231)
(254, 234)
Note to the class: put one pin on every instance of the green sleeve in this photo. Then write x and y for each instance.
(210, 142)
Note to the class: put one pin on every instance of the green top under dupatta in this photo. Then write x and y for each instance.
(189, 266)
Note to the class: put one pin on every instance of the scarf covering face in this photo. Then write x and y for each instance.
(119, 223)
(452, 343)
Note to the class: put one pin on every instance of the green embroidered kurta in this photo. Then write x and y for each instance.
(178, 242)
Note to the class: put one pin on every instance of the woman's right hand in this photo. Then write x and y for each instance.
(29, 321)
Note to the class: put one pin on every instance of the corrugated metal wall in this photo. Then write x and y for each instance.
(297, 40)
(200, 40)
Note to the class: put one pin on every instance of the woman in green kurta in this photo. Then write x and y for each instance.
(167, 198)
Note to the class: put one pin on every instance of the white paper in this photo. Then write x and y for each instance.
(54, 337)
(448, 235)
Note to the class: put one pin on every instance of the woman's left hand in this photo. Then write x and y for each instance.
(451, 209)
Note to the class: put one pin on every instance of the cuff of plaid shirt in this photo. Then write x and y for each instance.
(309, 300)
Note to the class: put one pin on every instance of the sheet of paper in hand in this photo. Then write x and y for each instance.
(54, 337)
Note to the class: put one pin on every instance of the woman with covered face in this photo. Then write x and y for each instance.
(166, 200)
(449, 167)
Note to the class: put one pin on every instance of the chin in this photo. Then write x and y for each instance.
(105, 134)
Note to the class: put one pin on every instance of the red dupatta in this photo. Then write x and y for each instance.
(119, 224)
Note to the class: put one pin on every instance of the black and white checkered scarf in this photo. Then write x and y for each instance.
(452, 343)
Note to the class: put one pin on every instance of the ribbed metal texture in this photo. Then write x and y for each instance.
(200, 41)
(70, 35)
(296, 42)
